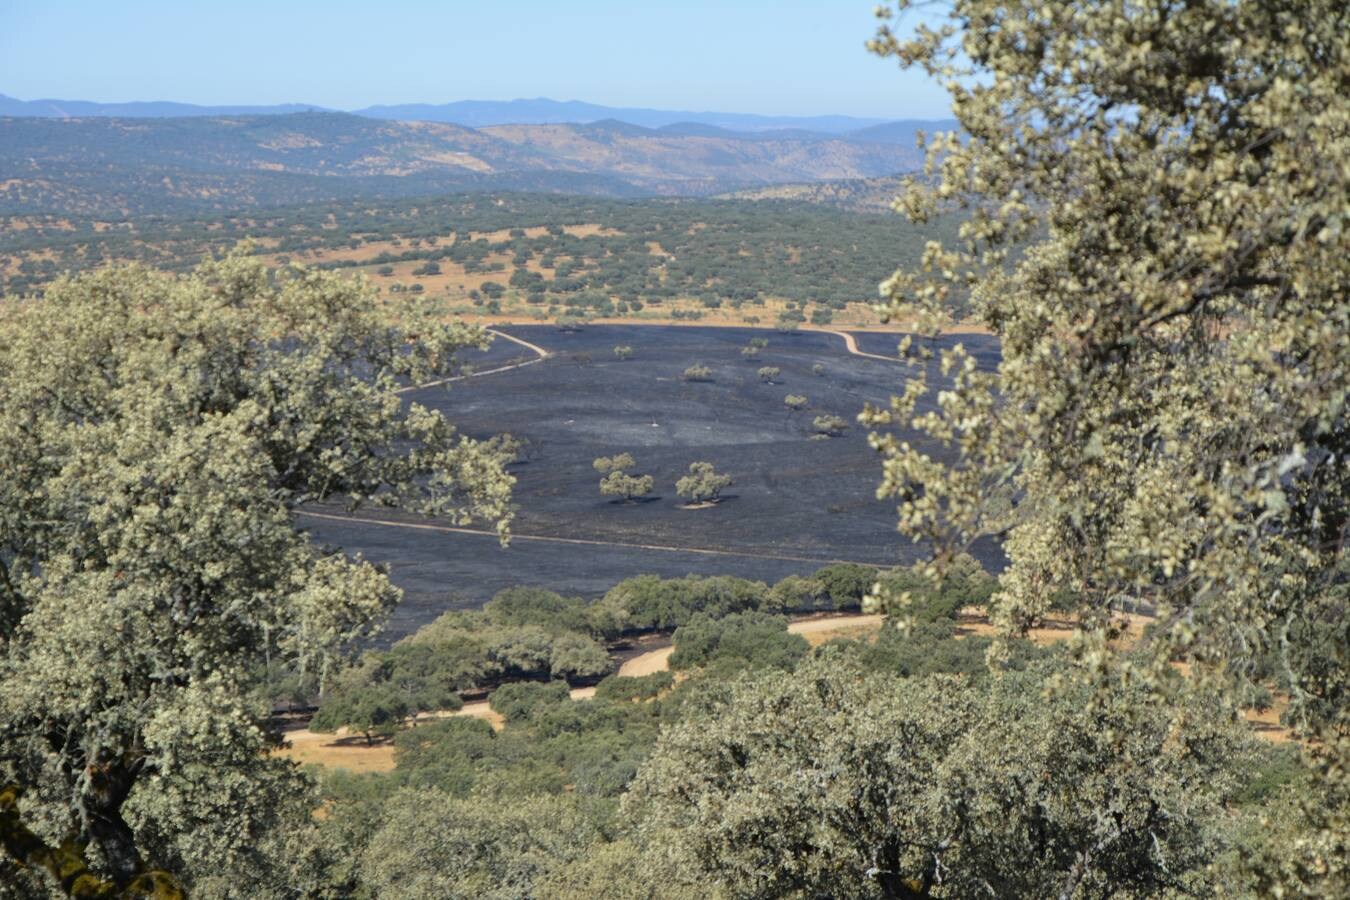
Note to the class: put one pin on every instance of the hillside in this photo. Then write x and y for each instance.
(478, 113)
(113, 166)
(870, 195)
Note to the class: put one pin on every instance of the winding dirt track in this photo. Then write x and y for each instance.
(659, 660)
(851, 345)
(542, 355)
(585, 542)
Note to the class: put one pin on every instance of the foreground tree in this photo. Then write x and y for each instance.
(1167, 429)
(617, 482)
(829, 782)
(157, 434)
(703, 484)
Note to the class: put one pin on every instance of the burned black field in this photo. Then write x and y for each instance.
(799, 501)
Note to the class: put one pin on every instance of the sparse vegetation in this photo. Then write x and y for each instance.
(697, 373)
(829, 425)
(768, 374)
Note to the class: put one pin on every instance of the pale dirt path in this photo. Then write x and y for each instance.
(851, 345)
(648, 663)
(585, 542)
(542, 355)
(814, 630)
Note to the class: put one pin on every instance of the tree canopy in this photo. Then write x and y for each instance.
(157, 435)
(1156, 213)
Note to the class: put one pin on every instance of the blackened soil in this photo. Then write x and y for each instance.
(799, 501)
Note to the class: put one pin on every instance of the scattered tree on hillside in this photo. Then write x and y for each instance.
(623, 351)
(767, 374)
(570, 324)
(751, 351)
(697, 373)
(703, 484)
(829, 425)
(795, 402)
(370, 710)
(617, 482)
(818, 369)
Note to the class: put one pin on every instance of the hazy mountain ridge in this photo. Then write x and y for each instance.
(100, 165)
(481, 113)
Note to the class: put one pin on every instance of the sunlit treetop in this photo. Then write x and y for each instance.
(1157, 196)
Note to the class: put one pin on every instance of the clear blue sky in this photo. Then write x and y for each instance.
(780, 57)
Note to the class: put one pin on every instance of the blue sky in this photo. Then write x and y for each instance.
(778, 57)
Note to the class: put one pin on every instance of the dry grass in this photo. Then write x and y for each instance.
(338, 751)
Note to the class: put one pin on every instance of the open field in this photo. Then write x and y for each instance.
(799, 502)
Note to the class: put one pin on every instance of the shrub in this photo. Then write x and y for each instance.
(620, 688)
(521, 700)
(647, 601)
(697, 373)
(846, 583)
(753, 640)
(829, 425)
(797, 593)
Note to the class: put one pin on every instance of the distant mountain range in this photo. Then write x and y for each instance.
(103, 166)
(480, 113)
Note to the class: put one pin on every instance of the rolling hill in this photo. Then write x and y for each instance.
(194, 164)
(474, 113)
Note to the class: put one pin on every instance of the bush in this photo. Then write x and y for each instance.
(846, 583)
(753, 640)
(525, 605)
(576, 657)
(797, 593)
(648, 601)
(829, 425)
(521, 700)
(620, 688)
(966, 584)
(697, 373)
